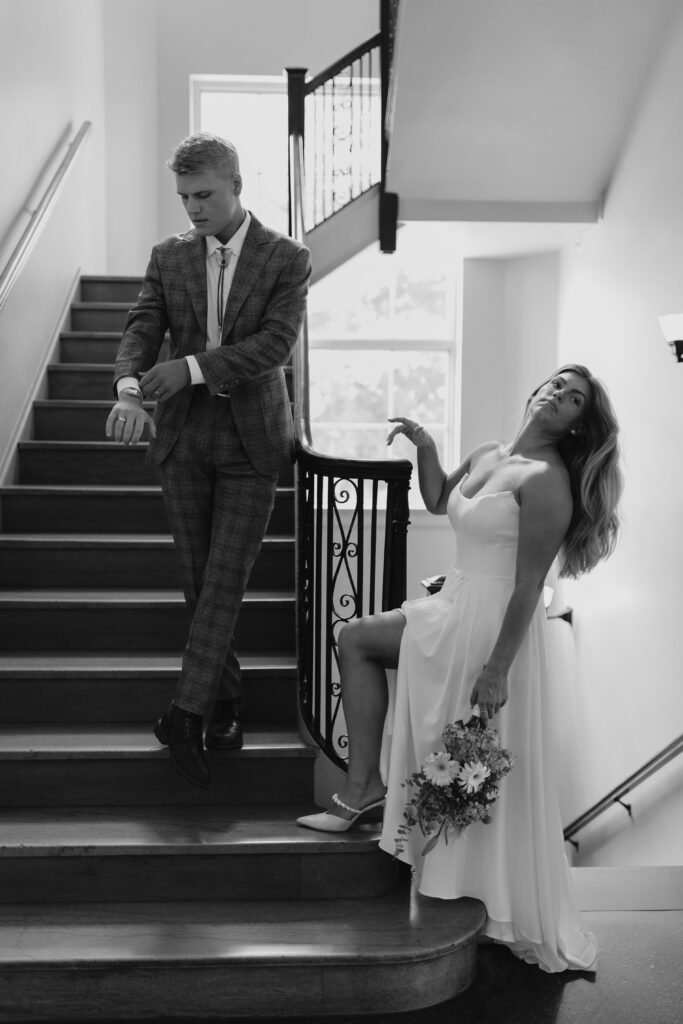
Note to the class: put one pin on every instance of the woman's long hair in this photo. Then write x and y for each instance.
(592, 458)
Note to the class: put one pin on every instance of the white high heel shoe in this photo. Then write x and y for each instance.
(326, 822)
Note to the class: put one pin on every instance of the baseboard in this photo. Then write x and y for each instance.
(629, 888)
(24, 428)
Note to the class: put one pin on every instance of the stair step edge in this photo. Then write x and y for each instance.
(376, 931)
(87, 664)
(129, 598)
(174, 831)
(115, 540)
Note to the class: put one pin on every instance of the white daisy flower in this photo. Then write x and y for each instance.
(472, 776)
(440, 769)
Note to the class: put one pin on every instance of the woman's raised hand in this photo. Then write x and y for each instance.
(412, 430)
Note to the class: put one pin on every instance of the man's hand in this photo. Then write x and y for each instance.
(165, 379)
(127, 421)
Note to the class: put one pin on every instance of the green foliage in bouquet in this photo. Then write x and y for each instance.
(456, 786)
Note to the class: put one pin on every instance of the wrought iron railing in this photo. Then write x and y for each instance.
(342, 115)
(616, 796)
(344, 569)
(352, 521)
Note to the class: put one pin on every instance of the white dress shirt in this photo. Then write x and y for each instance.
(213, 331)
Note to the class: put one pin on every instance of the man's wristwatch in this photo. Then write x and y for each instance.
(133, 392)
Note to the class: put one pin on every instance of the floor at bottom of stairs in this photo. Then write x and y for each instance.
(638, 981)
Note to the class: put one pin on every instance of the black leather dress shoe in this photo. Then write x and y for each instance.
(181, 732)
(224, 731)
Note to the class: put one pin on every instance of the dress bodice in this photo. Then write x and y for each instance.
(486, 529)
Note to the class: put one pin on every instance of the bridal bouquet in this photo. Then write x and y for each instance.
(456, 786)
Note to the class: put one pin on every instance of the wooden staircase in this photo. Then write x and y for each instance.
(125, 892)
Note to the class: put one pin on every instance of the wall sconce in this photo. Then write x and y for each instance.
(672, 329)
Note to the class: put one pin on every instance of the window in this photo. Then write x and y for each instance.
(382, 344)
(252, 113)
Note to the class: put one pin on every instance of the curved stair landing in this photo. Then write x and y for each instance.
(225, 960)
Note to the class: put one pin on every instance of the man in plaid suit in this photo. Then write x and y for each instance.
(231, 293)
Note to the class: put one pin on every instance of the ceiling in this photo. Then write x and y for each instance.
(516, 110)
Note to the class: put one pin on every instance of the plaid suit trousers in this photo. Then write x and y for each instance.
(218, 507)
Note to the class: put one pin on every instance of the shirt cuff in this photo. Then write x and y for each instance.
(196, 375)
(127, 382)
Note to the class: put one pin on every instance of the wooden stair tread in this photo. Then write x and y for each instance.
(104, 490)
(107, 368)
(102, 404)
(116, 540)
(80, 490)
(113, 278)
(131, 740)
(130, 598)
(133, 664)
(399, 927)
(100, 304)
(81, 335)
(91, 446)
(257, 829)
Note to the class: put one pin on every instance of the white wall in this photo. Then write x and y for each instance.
(509, 341)
(628, 612)
(50, 76)
(132, 135)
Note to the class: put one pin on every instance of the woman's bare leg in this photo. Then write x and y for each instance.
(367, 647)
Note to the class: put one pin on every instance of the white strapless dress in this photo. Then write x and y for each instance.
(516, 865)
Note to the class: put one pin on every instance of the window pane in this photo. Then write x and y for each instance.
(409, 294)
(355, 392)
(263, 152)
(349, 386)
(350, 442)
(421, 304)
(421, 386)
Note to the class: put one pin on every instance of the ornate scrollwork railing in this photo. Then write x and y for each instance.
(351, 561)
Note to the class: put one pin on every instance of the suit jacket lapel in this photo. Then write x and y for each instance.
(194, 272)
(255, 252)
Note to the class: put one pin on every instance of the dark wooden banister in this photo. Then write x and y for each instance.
(322, 513)
(353, 55)
(615, 795)
(39, 217)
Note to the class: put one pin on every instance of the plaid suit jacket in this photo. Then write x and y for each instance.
(263, 317)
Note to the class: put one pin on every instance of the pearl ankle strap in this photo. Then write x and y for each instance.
(346, 807)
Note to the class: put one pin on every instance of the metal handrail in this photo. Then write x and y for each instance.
(25, 245)
(615, 795)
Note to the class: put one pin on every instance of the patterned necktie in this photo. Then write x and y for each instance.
(224, 258)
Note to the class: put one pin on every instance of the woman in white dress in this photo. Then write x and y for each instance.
(479, 644)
